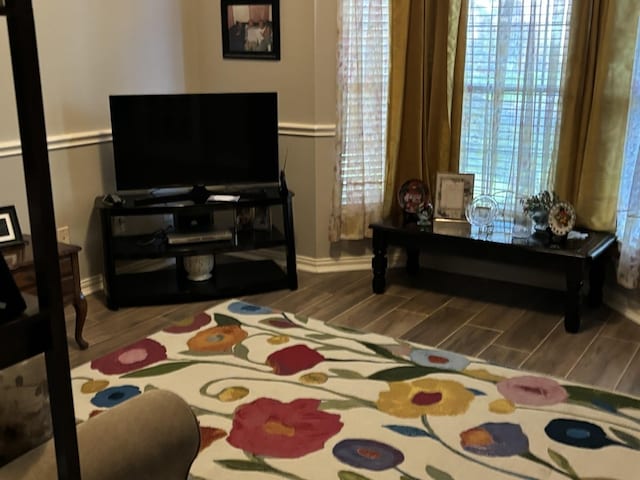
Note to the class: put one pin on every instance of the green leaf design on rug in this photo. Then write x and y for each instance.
(246, 466)
(241, 351)
(343, 404)
(320, 336)
(383, 352)
(606, 400)
(562, 462)
(302, 318)
(347, 475)
(222, 320)
(158, 370)
(398, 374)
(342, 373)
(627, 438)
(438, 474)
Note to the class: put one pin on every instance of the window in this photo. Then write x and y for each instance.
(628, 225)
(363, 83)
(515, 58)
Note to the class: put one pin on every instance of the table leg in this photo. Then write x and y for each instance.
(596, 282)
(379, 263)
(413, 263)
(80, 306)
(572, 307)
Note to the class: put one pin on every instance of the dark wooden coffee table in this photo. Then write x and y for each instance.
(574, 258)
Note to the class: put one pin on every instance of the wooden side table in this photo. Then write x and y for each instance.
(20, 261)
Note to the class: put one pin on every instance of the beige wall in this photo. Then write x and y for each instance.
(89, 49)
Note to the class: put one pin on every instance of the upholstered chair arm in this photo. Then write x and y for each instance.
(152, 436)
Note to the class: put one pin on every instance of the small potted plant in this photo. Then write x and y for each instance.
(538, 207)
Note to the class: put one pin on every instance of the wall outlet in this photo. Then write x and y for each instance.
(63, 235)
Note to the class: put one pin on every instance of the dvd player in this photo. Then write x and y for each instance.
(178, 238)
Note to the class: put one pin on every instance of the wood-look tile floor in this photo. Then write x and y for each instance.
(508, 325)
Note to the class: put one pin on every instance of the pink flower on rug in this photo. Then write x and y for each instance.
(189, 324)
(293, 359)
(532, 390)
(133, 357)
(271, 428)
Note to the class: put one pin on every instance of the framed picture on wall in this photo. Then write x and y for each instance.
(251, 29)
(10, 233)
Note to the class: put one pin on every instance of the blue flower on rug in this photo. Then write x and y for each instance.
(578, 433)
(112, 396)
(248, 309)
(439, 359)
(495, 440)
(369, 454)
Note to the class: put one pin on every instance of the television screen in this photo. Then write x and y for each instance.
(202, 139)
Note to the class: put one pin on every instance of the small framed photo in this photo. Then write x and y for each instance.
(262, 218)
(244, 218)
(454, 192)
(251, 29)
(10, 233)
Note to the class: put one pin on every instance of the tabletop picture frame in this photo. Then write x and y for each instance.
(251, 29)
(10, 233)
(454, 191)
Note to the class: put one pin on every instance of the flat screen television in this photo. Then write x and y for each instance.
(195, 140)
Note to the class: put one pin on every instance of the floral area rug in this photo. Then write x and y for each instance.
(284, 396)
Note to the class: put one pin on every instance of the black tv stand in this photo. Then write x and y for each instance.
(198, 195)
(255, 259)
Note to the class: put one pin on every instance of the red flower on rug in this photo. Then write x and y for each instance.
(293, 359)
(132, 357)
(189, 324)
(271, 428)
(217, 339)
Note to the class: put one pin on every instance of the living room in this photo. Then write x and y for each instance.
(88, 52)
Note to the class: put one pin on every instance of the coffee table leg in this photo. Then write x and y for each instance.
(413, 264)
(596, 282)
(379, 263)
(572, 308)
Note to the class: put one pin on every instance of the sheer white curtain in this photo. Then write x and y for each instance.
(363, 70)
(514, 66)
(628, 227)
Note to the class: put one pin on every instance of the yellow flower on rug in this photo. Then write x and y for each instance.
(425, 396)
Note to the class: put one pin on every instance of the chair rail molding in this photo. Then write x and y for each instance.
(60, 142)
(13, 148)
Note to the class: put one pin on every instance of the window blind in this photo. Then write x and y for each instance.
(515, 57)
(363, 73)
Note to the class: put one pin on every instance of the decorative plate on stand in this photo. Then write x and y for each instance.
(412, 196)
(562, 218)
(482, 211)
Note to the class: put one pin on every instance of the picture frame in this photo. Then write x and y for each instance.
(250, 29)
(10, 233)
(454, 191)
(262, 218)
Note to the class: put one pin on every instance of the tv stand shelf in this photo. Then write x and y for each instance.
(239, 268)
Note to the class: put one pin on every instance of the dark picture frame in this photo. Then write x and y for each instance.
(10, 233)
(251, 29)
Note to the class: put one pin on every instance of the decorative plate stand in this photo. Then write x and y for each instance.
(482, 211)
(413, 197)
(562, 219)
